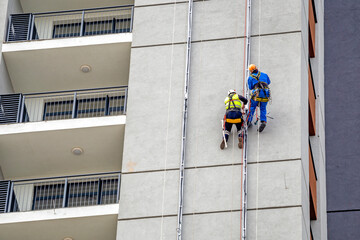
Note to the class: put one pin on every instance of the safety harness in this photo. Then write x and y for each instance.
(232, 101)
(235, 108)
(260, 86)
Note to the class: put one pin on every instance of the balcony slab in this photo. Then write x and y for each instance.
(55, 5)
(53, 65)
(43, 149)
(94, 222)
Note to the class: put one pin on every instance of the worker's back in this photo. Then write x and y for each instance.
(263, 77)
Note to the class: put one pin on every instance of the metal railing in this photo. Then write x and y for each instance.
(63, 192)
(73, 104)
(65, 24)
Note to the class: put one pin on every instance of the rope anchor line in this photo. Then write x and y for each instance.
(245, 147)
(184, 123)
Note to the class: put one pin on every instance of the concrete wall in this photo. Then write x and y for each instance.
(6, 7)
(278, 158)
(303, 86)
(342, 120)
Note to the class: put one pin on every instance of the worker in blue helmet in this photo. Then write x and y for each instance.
(258, 83)
(232, 116)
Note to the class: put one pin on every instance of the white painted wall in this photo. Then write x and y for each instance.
(7, 7)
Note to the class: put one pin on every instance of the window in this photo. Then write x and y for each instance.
(312, 106)
(85, 106)
(78, 193)
(312, 21)
(48, 196)
(65, 30)
(91, 27)
(312, 186)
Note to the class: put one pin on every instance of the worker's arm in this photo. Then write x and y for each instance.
(244, 100)
(250, 83)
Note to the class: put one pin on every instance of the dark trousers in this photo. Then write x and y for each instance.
(235, 114)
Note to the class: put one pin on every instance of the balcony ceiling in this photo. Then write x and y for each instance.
(34, 6)
(76, 223)
(43, 149)
(54, 65)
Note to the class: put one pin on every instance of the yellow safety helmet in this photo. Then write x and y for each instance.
(252, 67)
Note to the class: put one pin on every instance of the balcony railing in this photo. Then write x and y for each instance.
(59, 192)
(65, 24)
(15, 108)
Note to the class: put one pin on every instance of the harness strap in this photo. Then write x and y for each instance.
(261, 99)
(231, 101)
(238, 120)
(261, 85)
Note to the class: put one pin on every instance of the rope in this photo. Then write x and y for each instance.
(234, 153)
(184, 123)
(167, 126)
(258, 138)
(199, 98)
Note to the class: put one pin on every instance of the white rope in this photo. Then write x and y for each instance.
(258, 137)
(257, 183)
(167, 126)
(199, 98)
(234, 153)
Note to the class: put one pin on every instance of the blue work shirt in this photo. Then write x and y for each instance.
(263, 78)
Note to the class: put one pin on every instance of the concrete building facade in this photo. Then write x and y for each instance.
(286, 169)
(279, 163)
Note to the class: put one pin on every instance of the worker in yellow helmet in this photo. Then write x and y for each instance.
(258, 83)
(232, 116)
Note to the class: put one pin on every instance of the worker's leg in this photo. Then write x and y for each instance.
(253, 105)
(239, 128)
(239, 132)
(227, 130)
(227, 133)
(263, 111)
(262, 116)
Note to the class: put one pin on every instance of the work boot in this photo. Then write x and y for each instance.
(222, 145)
(262, 126)
(240, 144)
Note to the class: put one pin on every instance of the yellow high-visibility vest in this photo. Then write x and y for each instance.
(233, 102)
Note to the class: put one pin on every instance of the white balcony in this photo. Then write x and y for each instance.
(36, 6)
(93, 222)
(69, 50)
(45, 149)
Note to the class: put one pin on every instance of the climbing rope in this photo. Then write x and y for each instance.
(168, 124)
(198, 102)
(258, 136)
(245, 147)
(184, 123)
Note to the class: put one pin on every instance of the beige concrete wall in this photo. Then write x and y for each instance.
(277, 159)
